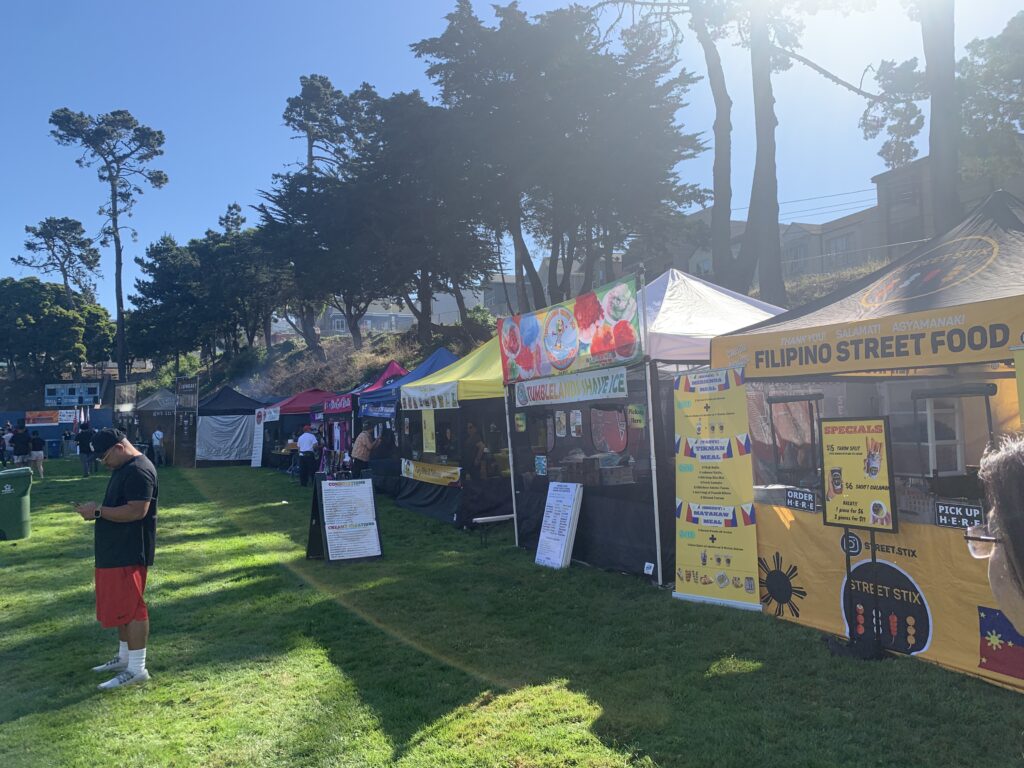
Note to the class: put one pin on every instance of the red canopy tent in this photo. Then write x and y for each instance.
(302, 402)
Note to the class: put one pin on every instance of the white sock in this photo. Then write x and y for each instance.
(122, 650)
(137, 661)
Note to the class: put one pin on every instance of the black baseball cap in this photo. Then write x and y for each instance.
(106, 439)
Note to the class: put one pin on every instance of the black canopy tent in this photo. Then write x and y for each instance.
(225, 430)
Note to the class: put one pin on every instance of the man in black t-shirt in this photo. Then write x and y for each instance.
(84, 440)
(22, 443)
(125, 544)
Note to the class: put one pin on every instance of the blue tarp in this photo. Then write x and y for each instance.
(381, 403)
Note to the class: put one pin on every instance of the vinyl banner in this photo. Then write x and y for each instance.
(928, 595)
(973, 333)
(573, 388)
(858, 474)
(435, 474)
(42, 418)
(716, 535)
(598, 329)
(421, 397)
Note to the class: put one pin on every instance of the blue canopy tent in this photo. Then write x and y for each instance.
(383, 402)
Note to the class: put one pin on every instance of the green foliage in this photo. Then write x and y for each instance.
(561, 134)
(165, 375)
(121, 148)
(991, 117)
(44, 339)
(482, 317)
(60, 246)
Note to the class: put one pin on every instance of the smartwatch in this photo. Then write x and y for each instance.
(97, 513)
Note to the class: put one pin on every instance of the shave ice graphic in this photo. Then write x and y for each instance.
(716, 515)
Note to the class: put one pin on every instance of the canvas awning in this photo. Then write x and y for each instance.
(684, 313)
(302, 402)
(228, 401)
(383, 401)
(956, 299)
(476, 376)
(161, 400)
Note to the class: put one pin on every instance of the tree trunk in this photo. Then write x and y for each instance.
(268, 335)
(310, 333)
(762, 248)
(309, 152)
(721, 209)
(524, 266)
(352, 321)
(425, 298)
(122, 347)
(67, 292)
(937, 25)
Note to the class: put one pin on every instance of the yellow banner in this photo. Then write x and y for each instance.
(716, 536)
(431, 473)
(858, 474)
(970, 333)
(929, 596)
(429, 431)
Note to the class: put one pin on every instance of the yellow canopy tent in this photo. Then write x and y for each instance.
(476, 376)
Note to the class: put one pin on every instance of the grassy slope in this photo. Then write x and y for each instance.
(441, 653)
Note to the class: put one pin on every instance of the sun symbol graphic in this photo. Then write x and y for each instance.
(994, 640)
(777, 586)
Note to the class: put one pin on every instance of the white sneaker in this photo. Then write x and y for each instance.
(116, 664)
(123, 679)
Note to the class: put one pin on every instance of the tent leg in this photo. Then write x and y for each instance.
(654, 470)
(511, 466)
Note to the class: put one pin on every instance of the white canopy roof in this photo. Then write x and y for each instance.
(684, 313)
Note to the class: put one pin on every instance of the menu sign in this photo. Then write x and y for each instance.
(858, 474)
(597, 329)
(349, 520)
(558, 529)
(716, 531)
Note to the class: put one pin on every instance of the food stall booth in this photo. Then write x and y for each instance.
(589, 394)
(869, 411)
(292, 415)
(454, 443)
(156, 411)
(224, 432)
(381, 406)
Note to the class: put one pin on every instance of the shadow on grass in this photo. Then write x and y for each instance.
(442, 627)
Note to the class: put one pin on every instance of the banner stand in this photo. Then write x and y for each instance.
(650, 367)
(315, 539)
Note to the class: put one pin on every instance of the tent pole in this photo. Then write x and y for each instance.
(511, 465)
(650, 423)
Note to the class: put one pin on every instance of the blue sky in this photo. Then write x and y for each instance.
(214, 76)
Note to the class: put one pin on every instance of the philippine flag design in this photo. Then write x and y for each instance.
(738, 377)
(743, 444)
(747, 511)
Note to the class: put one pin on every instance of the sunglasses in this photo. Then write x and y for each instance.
(980, 541)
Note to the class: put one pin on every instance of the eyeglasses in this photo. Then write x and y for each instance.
(980, 541)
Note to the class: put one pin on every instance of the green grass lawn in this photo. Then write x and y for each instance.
(442, 653)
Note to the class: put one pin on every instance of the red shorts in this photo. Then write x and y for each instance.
(119, 595)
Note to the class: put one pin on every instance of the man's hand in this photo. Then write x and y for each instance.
(87, 510)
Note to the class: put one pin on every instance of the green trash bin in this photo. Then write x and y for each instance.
(15, 503)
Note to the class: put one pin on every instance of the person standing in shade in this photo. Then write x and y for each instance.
(6, 449)
(362, 450)
(158, 447)
(22, 444)
(307, 455)
(84, 440)
(125, 543)
(37, 452)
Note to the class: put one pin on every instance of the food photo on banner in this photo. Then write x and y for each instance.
(877, 402)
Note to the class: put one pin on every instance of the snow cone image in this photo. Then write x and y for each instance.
(625, 338)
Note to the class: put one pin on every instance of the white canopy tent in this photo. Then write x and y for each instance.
(684, 313)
